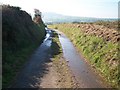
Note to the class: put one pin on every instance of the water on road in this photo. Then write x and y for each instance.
(36, 67)
(36, 74)
(80, 69)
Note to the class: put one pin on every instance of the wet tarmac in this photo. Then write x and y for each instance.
(36, 67)
(80, 69)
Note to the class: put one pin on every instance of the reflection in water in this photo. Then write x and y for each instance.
(48, 35)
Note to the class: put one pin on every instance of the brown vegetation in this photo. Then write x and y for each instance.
(99, 44)
(109, 34)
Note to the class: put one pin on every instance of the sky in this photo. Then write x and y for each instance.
(84, 8)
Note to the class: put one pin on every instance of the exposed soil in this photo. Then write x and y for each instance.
(50, 79)
(66, 79)
(59, 76)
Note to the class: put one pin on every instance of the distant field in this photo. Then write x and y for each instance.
(108, 24)
(98, 42)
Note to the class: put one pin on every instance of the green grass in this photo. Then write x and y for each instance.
(56, 47)
(14, 63)
(100, 53)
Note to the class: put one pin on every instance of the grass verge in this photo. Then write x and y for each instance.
(100, 53)
(15, 62)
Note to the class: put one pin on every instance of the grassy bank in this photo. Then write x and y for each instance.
(20, 37)
(99, 52)
(14, 62)
(66, 80)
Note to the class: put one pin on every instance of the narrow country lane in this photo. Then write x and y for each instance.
(39, 72)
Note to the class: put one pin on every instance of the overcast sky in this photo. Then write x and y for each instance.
(85, 8)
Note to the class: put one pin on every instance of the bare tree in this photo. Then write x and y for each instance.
(37, 16)
(37, 12)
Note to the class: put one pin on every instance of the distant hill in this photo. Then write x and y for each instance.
(49, 17)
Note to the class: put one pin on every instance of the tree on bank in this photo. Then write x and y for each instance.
(37, 16)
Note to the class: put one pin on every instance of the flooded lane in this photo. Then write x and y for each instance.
(80, 69)
(36, 67)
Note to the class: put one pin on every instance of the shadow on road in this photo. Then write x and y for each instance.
(37, 66)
